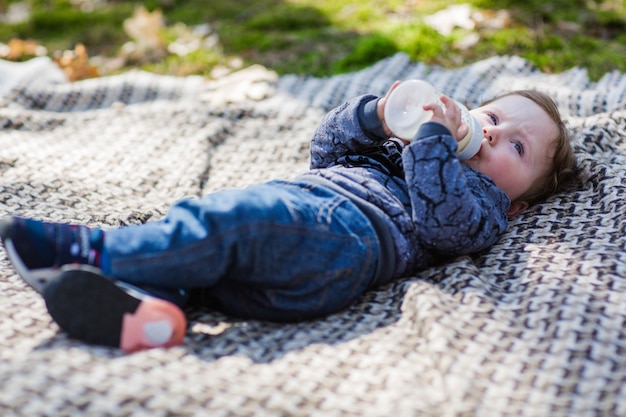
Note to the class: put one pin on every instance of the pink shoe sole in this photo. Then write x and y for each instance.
(155, 323)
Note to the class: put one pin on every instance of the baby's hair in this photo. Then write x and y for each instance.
(563, 172)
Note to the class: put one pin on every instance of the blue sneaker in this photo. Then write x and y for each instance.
(38, 249)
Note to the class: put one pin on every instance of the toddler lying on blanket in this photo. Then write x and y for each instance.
(372, 208)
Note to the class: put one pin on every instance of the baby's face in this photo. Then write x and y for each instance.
(516, 150)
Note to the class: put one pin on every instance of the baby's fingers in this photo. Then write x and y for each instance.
(453, 112)
(380, 108)
(455, 117)
(438, 113)
(462, 131)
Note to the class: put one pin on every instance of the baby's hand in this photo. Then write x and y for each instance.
(451, 118)
(380, 110)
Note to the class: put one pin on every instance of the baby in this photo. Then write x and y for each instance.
(372, 208)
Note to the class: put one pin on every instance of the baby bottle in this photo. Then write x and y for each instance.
(404, 114)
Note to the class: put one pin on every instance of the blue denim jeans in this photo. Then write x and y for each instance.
(279, 251)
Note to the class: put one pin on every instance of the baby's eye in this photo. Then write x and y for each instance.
(519, 148)
(493, 118)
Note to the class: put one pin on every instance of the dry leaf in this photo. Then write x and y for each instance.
(75, 64)
(18, 49)
(144, 28)
(493, 19)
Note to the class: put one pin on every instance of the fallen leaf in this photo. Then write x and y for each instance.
(17, 49)
(75, 64)
(144, 28)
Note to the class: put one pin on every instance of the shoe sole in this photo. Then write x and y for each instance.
(92, 308)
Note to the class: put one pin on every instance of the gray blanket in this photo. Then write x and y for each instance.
(536, 326)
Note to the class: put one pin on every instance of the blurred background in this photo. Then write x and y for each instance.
(90, 38)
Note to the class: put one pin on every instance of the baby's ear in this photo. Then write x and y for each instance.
(516, 208)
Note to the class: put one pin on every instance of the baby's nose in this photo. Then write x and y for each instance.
(487, 135)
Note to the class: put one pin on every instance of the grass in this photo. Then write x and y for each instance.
(325, 37)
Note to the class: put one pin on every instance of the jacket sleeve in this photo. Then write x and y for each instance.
(351, 127)
(455, 208)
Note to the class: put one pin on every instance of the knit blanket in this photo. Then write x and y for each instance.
(535, 326)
